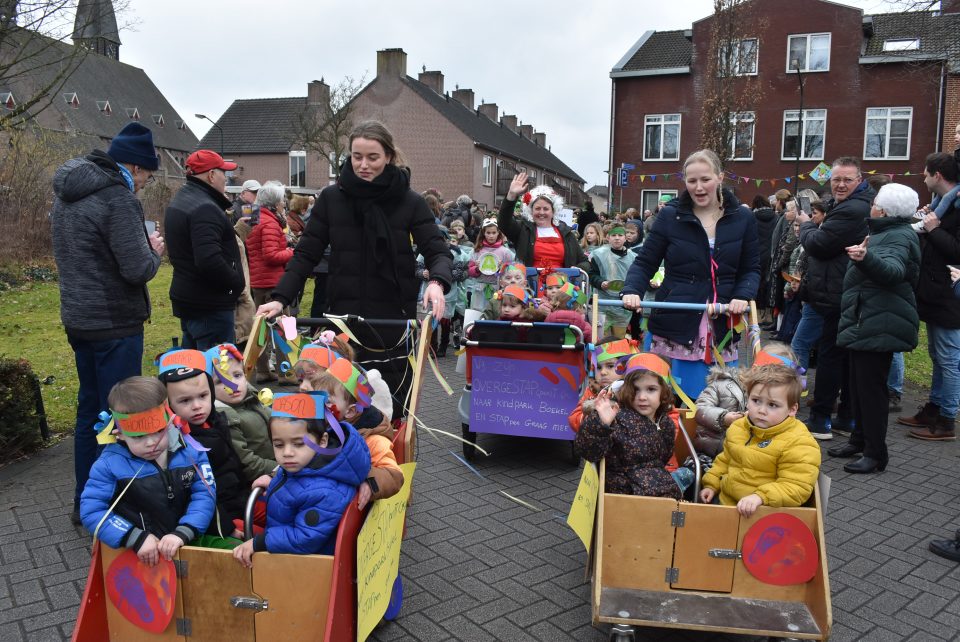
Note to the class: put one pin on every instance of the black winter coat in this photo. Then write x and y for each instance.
(939, 248)
(678, 239)
(357, 285)
(766, 220)
(202, 246)
(844, 225)
(523, 234)
(232, 486)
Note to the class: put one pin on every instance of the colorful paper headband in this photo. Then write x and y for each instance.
(183, 360)
(487, 222)
(306, 406)
(577, 296)
(219, 363)
(515, 291)
(619, 349)
(137, 424)
(516, 266)
(322, 355)
(646, 361)
(353, 380)
(765, 358)
(617, 229)
(554, 279)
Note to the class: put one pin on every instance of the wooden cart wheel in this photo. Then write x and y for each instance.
(468, 450)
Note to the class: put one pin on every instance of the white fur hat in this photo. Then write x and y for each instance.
(542, 191)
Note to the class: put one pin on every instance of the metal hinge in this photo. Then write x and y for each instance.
(725, 553)
(251, 603)
(678, 518)
(184, 627)
(672, 575)
(182, 567)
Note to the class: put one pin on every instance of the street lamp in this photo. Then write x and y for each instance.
(219, 128)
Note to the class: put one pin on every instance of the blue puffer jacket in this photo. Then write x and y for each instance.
(157, 502)
(304, 508)
(678, 239)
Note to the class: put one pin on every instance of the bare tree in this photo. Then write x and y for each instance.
(36, 58)
(731, 86)
(323, 128)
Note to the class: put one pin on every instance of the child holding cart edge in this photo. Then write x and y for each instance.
(769, 457)
(633, 430)
(147, 491)
(608, 359)
(321, 464)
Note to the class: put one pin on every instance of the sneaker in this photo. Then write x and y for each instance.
(926, 416)
(894, 402)
(819, 427)
(943, 429)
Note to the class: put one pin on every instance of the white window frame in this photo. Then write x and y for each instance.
(803, 119)
(533, 176)
(297, 154)
(888, 117)
(487, 169)
(333, 164)
(659, 193)
(660, 120)
(901, 44)
(735, 119)
(805, 68)
(735, 65)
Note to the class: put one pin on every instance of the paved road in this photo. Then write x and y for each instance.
(478, 566)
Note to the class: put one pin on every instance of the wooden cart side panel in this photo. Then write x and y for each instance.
(746, 585)
(212, 578)
(705, 526)
(637, 541)
(91, 623)
(342, 609)
(297, 588)
(121, 629)
(818, 590)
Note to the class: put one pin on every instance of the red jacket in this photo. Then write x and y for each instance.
(267, 251)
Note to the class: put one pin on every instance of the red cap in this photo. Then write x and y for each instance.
(203, 160)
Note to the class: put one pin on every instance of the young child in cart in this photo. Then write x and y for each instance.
(321, 464)
(127, 503)
(608, 361)
(516, 304)
(566, 306)
(769, 457)
(632, 428)
(510, 274)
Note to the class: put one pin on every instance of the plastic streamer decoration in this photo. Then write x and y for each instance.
(308, 405)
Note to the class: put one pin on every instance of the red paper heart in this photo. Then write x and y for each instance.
(144, 595)
(780, 549)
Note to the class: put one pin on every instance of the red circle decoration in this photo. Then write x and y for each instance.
(144, 595)
(780, 549)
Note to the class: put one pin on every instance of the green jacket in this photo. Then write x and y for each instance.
(878, 306)
(248, 431)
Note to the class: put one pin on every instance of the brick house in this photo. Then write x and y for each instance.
(449, 142)
(877, 87)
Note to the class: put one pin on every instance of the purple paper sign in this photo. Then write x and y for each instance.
(523, 398)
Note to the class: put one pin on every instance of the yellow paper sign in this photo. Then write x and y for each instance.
(378, 555)
(583, 511)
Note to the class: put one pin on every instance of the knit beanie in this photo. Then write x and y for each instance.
(134, 145)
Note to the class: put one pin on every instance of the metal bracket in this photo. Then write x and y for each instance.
(250, 603)
(672, 575)
(678, 518)
(182, 567)
(184, 627)
(725, 553)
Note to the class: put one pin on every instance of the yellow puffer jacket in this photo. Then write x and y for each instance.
(780, 463)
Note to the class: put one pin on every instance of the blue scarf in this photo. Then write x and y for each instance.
(127, 176)
(941, 204)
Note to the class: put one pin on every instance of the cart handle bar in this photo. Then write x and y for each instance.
(711, 308)
(327, 320)
(248, 512)
(529, 324)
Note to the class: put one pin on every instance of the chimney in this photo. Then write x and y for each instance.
(509, 121)
(318, 92)
(489, 110)
(540, 138)
(526, 131)
(432, 79)
(464, 97)
(391, 62)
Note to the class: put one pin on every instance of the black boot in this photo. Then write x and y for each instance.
(846, 450)
(444, 337)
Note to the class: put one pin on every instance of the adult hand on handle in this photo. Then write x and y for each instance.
(433, 300)
(631, 301)
(517, 186)
(270, 309)
(738, 306)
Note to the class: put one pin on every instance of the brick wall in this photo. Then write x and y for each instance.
(265, 167)
(951, 117)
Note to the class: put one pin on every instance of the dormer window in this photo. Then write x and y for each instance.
(133, 113)
(104, 107)
(180, 124)
(7, 99)
(158, 120)
(72, 99)
(904, 44)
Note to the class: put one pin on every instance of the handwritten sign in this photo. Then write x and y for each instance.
(523, 398)
(583, 510)
(378, 555)
(144, 595)
(566, 215)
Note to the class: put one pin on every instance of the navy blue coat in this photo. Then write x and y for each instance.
(304, 508)
(679, 241)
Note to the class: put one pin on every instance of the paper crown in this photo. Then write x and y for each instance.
(515, 266)
(577, 295)
(646, 361)
(554, 279)
(764, 358)
(320, 354)
(183, 360)
(353, 380)
(218, 362)
(516, 291)
(487, 222)
(615, 350)
(135, 424)
(300, 405)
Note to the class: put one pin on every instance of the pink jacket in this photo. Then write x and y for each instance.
(572, 317)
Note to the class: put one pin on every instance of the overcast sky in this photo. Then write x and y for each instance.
(546, 62)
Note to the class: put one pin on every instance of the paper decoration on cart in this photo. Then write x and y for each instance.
(378, 555)
(583, 510)
(780, 549)
(144, 595)
(821, 173)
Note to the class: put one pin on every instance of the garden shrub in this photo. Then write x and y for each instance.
(19, 420)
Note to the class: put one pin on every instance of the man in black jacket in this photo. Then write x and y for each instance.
(207, 271)
(844, 225)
